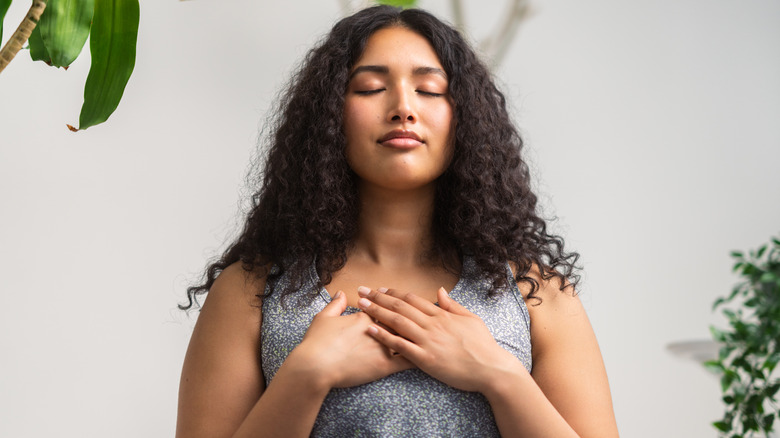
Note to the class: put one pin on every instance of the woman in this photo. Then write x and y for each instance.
(393, 164)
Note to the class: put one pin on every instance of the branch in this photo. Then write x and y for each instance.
(457, 14)
(495, 47)
(22, 33)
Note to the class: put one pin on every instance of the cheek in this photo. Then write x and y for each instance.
(349, 119)
(354, 131)
(358, 115)
(445, 124)
(439, 115)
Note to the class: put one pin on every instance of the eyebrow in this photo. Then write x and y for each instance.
(383, 69)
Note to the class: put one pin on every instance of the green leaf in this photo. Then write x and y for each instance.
(64, 28)
(749, 422)
(728, 378)
(717, 334)
(725, 351)
(756, 373)
(112, 45)
(4, 4)
(740, 362)
(714, 366)
(767, 422)
(733, 293)
(771, 390)
(771, 362)
(722, 426)
(38, 50)
(402, 3)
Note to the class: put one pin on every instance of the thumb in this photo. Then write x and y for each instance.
(450, 305)
(337, 305)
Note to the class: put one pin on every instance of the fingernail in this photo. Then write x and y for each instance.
(372, 330)
(363, 291)
(364, 303)
(441, 289)
(382, 290)
(338, 294)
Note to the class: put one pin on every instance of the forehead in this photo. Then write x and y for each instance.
(398, 47)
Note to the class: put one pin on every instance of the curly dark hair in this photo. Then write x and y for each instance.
(307, 208)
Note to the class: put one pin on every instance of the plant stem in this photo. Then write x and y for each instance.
(496, 45)
(457, 14)
(22, 33)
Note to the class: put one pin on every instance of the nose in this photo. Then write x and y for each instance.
(401, 107)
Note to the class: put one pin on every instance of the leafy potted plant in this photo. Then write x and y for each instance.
(750, 347)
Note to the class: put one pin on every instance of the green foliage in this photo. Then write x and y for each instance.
(401, 3)
(112, 28)
(4, 4)
(112, 46)
(750, 349)
(38, 50)
(64, 28)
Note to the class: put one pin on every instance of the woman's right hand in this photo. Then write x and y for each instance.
(339, 350)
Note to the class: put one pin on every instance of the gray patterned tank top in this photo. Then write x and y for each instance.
(409, 403)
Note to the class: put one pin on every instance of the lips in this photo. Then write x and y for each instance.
(400, 138)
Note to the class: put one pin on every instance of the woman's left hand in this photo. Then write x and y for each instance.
(447, 341)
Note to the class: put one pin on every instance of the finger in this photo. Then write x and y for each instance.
(450, 305)
(405, 348)
(420, 303)
(337, 305)
(391, 319)
(395, 302)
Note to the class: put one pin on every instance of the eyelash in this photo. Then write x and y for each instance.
(370, 92)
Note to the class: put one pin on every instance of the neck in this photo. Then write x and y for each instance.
(395, 227)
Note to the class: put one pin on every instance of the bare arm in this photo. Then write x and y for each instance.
(222, 381)
(568, 381)
(222, 391)
(567, 363)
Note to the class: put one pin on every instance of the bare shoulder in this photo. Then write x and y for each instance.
(236, 286)
(549, 287)
(567, 362)
(553, 295)
(222, 377)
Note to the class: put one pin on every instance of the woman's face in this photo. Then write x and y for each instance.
(398, 113)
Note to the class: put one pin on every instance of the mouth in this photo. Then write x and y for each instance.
(401, 139)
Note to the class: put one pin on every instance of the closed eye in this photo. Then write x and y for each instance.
(428, 93)
(369, 92)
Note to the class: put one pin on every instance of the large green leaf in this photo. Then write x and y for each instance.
(402, 3)
(112, 45)
(64, 28)
(38, 50)
(4, 4)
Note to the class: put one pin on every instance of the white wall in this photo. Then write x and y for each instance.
(652, 128)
